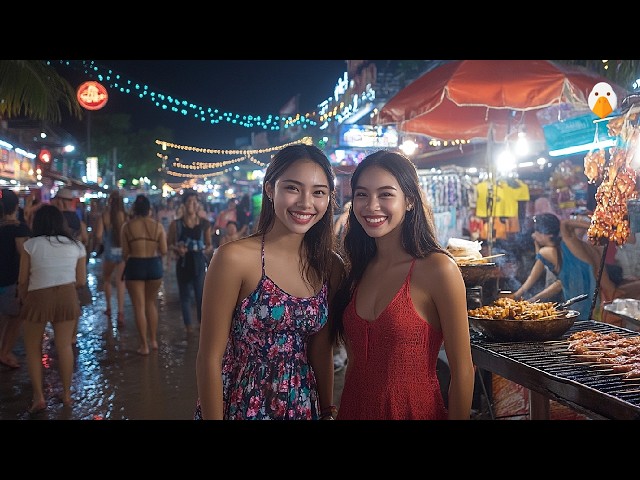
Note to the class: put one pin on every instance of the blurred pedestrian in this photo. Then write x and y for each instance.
(32, 203)
(231, 233)
(263, 352)
(51, 270)
(190, 241)
(228, 214)
(144, 243)
(13, 234)
(108, 233)
(244, 216)
(402, 300)
(65, 200)
(93, 218)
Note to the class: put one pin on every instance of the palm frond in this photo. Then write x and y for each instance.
(33, 89)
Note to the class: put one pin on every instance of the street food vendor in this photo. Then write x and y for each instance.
(574, 262)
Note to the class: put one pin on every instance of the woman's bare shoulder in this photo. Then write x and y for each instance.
(435, 267)
(243, 251)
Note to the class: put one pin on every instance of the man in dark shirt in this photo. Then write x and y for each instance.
(13, 234)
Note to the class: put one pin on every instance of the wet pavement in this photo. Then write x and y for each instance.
(111, 381)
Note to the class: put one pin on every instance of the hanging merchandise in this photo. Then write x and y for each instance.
(569, 190)
(610, 221)
(447, 192)
(504, 210)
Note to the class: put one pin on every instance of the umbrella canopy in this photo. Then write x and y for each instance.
(464, 99)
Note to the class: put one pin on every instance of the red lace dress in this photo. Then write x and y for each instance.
(391, 373)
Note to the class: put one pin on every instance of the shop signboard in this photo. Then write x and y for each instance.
(368, 136)
(576, 131)
(92, 95)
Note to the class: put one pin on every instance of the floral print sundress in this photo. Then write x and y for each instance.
(265, 370)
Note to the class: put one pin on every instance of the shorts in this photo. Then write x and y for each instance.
(9, 301)
(143, 268)
(52, 304)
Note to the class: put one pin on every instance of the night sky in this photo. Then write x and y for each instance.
(256, 87)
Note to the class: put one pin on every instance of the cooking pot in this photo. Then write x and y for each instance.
(509, 330)
(478, 273)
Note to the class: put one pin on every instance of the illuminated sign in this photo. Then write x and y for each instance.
(368, 136)
(92, 95)
(92, 169)
(578, 131)
(44, 156)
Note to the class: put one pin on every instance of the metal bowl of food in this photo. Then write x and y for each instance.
(478, 273)
(530, 330)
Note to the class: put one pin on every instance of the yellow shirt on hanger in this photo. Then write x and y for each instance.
(506, 198)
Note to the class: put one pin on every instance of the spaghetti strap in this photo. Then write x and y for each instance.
(413, 262)
(263, 273)
(407, 280)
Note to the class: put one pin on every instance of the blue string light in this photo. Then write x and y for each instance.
(118, 82)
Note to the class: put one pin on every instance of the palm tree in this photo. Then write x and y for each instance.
(33, 89)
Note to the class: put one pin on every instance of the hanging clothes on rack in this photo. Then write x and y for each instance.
(508, 192)
(447, 191)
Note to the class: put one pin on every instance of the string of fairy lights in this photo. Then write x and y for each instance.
(119, 82)
(213, 115)
(197, 169)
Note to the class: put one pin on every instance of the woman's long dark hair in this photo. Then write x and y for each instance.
(116, 205)
(141, 206)
(318, 244)
(418, 235)
(549, 223)
(48, 221)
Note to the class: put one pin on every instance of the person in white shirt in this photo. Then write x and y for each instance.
(51, 269)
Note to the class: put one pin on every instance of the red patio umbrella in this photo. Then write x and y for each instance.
(466, 99)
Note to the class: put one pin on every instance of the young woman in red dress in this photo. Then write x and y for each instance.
(403, 296)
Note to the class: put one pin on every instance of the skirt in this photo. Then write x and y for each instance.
(52, 304)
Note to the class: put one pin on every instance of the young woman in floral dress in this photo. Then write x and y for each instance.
(264, 352)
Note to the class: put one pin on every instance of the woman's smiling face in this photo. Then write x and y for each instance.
(379, 203)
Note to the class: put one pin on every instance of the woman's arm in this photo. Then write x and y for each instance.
(81, 272)
(321, 348)
(208, 243)
(536, 271)
(550, 291)
(124, 240)
(23, 275)
(99, 230)
(162, 240)
(440, 280)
